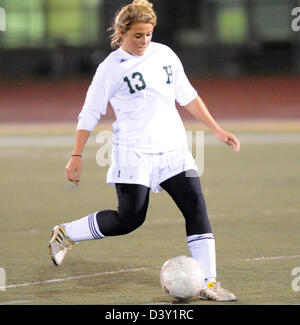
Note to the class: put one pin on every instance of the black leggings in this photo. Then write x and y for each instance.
(133, 202)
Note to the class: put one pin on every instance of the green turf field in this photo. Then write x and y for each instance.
(252, 198)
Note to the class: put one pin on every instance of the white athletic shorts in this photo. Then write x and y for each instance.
(149, 169)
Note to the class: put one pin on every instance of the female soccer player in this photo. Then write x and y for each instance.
(142, 80)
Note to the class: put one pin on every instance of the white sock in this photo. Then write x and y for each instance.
(202, 248)
(85, 228)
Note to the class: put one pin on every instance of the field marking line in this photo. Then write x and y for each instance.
(15, 302)
(84, 276)
(266, 258)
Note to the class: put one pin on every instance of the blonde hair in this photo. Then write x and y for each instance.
(139, 11)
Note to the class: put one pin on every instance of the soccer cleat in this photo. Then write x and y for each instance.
(214, 291)
(59, 244)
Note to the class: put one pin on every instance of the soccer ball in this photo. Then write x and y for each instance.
(182, 277)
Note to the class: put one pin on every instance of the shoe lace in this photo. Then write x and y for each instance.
(64, 240)
(217, 287)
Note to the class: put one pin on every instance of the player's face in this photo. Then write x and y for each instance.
(137, 38)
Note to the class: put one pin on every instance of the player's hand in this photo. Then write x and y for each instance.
(229, 139)
(73, 170)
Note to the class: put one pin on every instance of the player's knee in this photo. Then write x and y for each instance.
(194, 208)
(132, 220)
(196, 217)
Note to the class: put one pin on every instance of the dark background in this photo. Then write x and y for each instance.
(232, 50)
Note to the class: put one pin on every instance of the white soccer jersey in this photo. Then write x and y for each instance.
(142, 91)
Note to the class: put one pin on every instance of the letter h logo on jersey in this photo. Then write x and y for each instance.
(169, 72)
(2, 20)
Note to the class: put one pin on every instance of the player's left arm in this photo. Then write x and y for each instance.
(199, 110)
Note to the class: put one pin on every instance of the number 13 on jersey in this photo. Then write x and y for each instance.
(140, 85)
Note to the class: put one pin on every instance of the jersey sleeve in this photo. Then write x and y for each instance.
(96, 100)
(184, 91)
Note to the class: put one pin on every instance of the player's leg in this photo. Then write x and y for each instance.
(133, 202)
(187, 193)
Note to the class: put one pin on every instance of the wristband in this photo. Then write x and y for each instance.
(76, 156)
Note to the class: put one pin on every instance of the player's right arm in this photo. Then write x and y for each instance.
(95, 105)
(74, 166)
